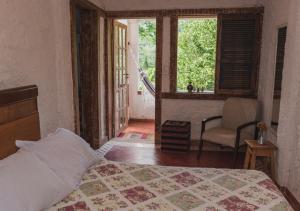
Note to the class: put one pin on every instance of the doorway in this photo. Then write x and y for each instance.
(134, 75)
(85, 61)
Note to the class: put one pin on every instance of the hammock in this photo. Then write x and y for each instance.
(143, 75)
(147, 83)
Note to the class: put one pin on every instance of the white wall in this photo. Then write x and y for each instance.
(279, 13)
(276, 16)
(186, 110)
(289, 119)
(191, 110)
(140, 106)
(35, 48)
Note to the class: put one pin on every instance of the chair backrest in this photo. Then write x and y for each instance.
(238, 111)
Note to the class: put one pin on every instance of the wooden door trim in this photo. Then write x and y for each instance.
(90, 6)
(86, 5)
(127, 14)
(109, 82)
(74, 62)
(158, 78)
(158, 83)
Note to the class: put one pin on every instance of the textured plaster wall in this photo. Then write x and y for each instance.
(35, 49)
(279, 13)
(173, 4)
(187, 110)
(191, 110)
(276, 15)
(140, 106)
(289, 118)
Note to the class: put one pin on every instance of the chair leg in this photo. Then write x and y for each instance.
(236, 155)
(200, 148)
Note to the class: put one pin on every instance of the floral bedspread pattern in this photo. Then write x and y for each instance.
(122, 186)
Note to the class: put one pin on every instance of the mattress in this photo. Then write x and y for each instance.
(123, 186)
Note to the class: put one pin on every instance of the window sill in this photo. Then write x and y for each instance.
(200, 96)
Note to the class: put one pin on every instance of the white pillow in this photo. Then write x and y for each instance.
(68, 155)
(27, 184)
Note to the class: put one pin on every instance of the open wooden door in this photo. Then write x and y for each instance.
(121, 77)
(85, 44)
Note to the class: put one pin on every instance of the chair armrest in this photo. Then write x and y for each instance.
(204, 121)
(211, 118)
(241, 127)
(247, 125)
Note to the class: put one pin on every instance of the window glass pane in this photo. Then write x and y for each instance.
(120, 37)
(124, 38)
(196, 53)
(120, 66)
(124, 67)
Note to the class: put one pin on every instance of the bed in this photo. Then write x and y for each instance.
(112, 186)
(109, 185)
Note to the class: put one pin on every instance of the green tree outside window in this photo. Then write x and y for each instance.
(197, 38)
(196, 53)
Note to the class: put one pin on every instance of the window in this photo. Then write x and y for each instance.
(196, 53)
(218, 56)
(239, 47)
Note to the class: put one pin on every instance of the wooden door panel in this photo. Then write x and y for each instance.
(88, 77)
(121, 77)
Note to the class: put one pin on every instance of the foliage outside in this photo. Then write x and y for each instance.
(147, 47)
(196, 52)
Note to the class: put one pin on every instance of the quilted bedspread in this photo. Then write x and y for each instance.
(122, 186)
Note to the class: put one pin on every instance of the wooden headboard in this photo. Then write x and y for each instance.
(19, 117)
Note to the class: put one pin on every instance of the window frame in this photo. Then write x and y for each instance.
(218, 94)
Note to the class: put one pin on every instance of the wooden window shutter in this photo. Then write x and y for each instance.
(279, 60)
(238, 54)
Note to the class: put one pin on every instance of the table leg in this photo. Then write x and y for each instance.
(272, 165)
(247, 159)
(253, 160)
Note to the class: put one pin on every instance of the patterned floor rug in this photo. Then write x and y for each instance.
(119, 142)
(135, 136)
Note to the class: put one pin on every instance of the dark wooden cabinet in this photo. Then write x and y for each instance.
(176, 135)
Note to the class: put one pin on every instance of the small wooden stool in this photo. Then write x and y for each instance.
(257, 150)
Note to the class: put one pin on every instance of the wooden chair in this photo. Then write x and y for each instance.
(238, 123)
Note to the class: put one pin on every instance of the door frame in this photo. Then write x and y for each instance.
(110, 62)
(86, 5)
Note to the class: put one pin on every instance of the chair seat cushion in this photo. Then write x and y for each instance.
(224, 136)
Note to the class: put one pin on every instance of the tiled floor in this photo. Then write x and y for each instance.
(140, 126)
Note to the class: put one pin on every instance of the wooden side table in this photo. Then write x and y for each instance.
(257, 150)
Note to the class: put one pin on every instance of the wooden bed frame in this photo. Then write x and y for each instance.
(19, 118)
